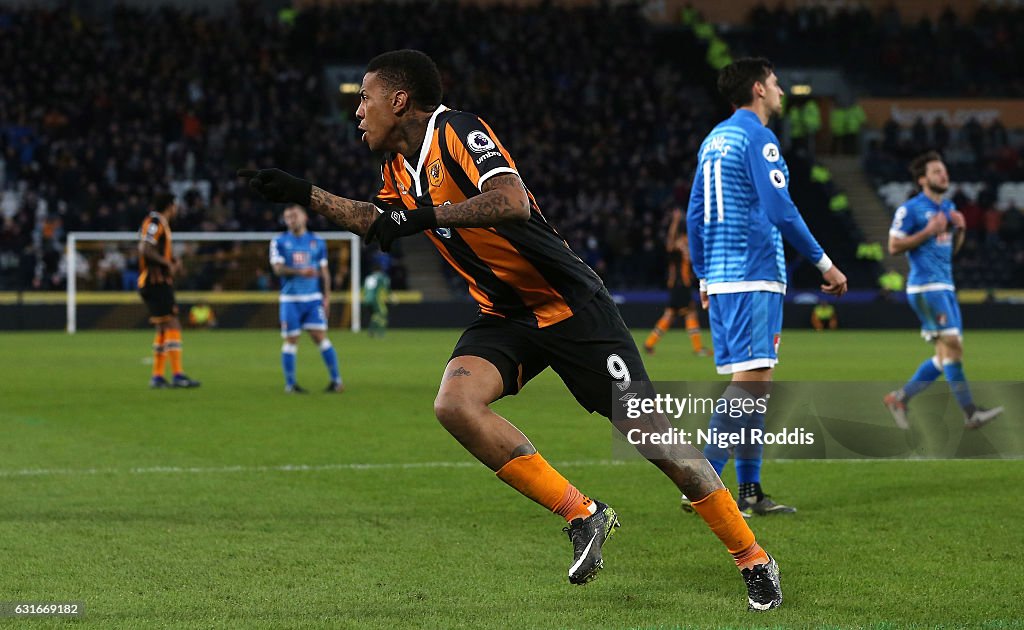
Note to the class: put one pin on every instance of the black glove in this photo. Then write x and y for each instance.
(273, 184)
(397, 222)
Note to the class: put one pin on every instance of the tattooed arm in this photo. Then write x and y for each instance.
(503, 200)
(355, 216)
(275, 185)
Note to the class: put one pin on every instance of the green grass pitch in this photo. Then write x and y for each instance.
(237, 506)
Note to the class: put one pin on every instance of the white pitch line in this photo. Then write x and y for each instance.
(284, 468)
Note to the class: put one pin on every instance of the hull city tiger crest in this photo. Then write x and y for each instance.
(435, 174)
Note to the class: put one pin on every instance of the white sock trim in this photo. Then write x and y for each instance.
(289, 348)
(325, 344)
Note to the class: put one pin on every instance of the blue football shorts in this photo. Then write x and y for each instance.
(939, 313)
(299, 316)
(745, 329)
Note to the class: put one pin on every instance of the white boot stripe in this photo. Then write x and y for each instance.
(583, 556)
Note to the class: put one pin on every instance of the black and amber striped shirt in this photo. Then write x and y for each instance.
(521, 271)
(156, 232)
(679, 269)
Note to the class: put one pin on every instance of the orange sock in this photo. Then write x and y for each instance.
(751, 557)
(719, 511)
(172, 343)
(659, 329)
(533, 477)
(693, 327)
(159, 356)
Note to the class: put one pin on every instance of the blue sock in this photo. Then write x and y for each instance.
(716, 463)
(748, 470)
(954, 371)
(749, 456)
(330, 360)
(718, 456)
(288, 351)
(925, 375)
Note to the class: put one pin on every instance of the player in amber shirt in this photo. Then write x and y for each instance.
(157, 267)
(446, 174)
(681, 302)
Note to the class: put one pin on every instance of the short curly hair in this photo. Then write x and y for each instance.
(411, 71)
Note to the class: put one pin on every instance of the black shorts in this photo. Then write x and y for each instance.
(680, 296)
(592, 351)
(159, 299)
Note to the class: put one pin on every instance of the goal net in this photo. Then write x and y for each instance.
(226, 280)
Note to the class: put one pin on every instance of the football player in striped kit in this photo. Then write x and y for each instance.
(929, 230)
(740, 210)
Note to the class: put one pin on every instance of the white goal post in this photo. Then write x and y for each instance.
(75, 238)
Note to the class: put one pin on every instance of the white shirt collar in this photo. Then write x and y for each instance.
(425, 146)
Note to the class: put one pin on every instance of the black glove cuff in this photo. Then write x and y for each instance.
(303, 192)
(418, 219)
(423, 218)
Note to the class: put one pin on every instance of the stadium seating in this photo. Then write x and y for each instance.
(605, 137)
(1008, 194)
(892, 56)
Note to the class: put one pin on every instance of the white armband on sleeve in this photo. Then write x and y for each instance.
(703, 285)
(824, 264)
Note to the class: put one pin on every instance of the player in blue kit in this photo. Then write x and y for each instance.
(929, 229)
(739, 212)
(299, 258)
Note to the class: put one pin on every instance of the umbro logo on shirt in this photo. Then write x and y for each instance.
(487, 155)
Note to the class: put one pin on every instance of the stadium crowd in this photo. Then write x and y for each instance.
(139, 101)
(948, 56)
(888, 56)
(131, 104)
